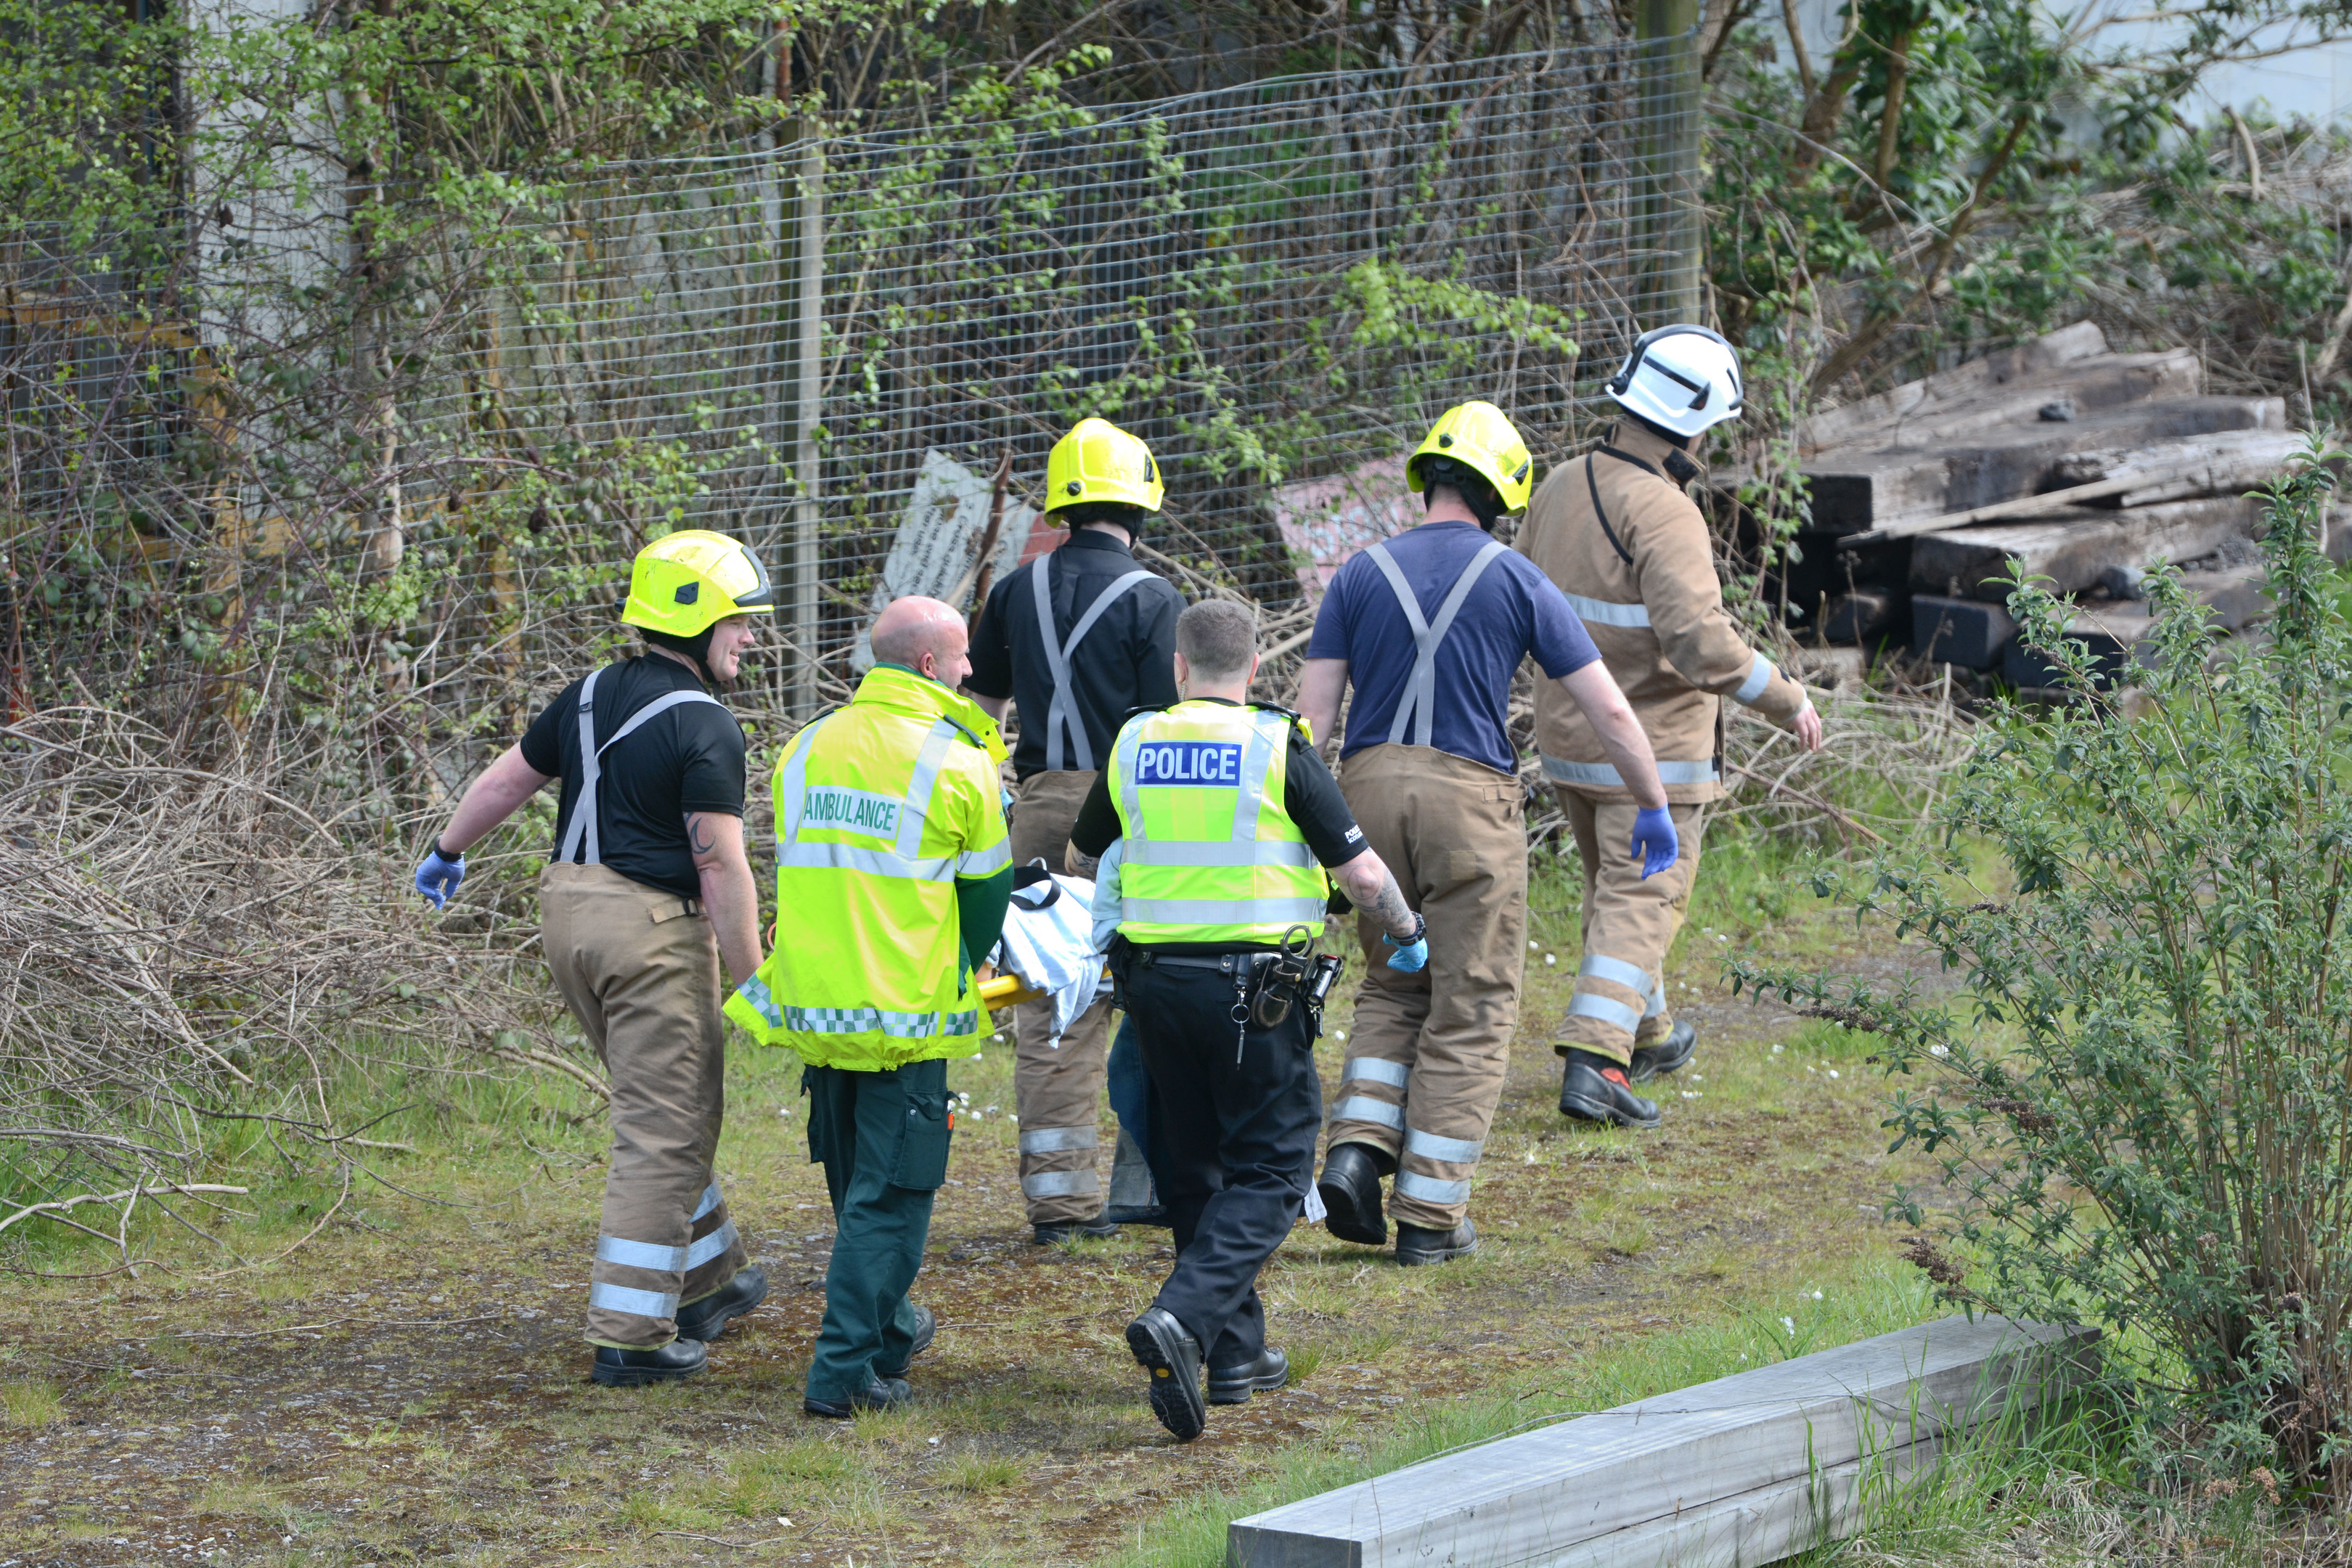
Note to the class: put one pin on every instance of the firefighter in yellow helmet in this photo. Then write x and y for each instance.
(1429, 627)
(648, 891)
(1080, 638)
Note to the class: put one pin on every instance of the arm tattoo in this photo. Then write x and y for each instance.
(1390, 908)
(699, 837)
(1085, 866)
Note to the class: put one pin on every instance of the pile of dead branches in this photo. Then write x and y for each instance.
(188, 949)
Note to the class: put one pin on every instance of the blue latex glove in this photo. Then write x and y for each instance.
(1654, 844)
(1410, 956)
(437, 878)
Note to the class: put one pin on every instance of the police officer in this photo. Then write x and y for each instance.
(1617, 532)
(892, 877)
(648, 889)
(1080, 638)
(1431, 626)
(1225, 821)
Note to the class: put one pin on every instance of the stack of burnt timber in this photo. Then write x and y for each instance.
(2086, 467)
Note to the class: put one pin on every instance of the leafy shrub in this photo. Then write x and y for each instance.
(2141, 1098)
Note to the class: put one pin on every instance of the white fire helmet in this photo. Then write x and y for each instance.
(1681, 378)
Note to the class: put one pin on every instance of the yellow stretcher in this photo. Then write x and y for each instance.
(1007, 991)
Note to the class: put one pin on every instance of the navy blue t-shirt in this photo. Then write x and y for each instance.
(1514, 612)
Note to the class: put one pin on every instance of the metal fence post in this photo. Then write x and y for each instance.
(803, 379)
(1671, 210)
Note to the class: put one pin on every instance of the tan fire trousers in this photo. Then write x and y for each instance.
(1057, 1083)
(1630, 922)
(640, 969)
(1427, 1054)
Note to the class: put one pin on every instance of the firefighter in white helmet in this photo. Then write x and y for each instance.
(1619, 535)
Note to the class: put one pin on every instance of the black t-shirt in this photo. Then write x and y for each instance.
(1310, 799)
(687, 759)
(1127, 659)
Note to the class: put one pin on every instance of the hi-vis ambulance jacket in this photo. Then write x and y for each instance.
(1632, 552)
(880, 807)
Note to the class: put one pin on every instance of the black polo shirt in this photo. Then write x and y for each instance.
(1126, 661)
(687, 759)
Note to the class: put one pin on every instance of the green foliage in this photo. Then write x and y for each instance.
(2140, 1100)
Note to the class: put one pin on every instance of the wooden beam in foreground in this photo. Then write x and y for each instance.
(1746, 1470)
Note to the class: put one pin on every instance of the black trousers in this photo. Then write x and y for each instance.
(1233, 1142)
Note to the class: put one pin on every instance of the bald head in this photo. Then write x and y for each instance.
(927, 636)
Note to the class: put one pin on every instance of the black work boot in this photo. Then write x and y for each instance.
(707, 1319)
(1235, 1385)
(1593, 1088)
(882, 1393)
(1351, 1190)
(1053, 1232)
(648, 1363)
(926, 1327)
(1664, 1054)
(1416, 1246)
(1167, 1350)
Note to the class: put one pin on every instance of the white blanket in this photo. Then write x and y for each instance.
(1052, 948)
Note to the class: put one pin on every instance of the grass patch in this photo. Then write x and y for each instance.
(30, 1401)
(980, 1473)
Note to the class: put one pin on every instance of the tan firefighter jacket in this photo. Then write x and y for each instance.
(1632, 552)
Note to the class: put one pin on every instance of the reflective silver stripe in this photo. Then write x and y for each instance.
(1222, 911)
(1590, 1005)
(640, 1255)
(710, 1200)
(920, 785)
(1060, 1184)
(1055, 1140)
(1430, 1146)
(712, 1246)
(985, 862)
(1364, 1108)
(1376, 1070)
(582, 833)
(1417, 709)
(1062, 712)
(1430, 1190)
(1657, 1003)
(902, 859)
(1601, 775)
(1247, 852)
(639, 1303)
(873, 1020)
(819, 857)
(1758, 677)
(1602, 612)
(1616, 971)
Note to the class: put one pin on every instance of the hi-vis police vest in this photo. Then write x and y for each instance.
(1208, 854)
(880, 807)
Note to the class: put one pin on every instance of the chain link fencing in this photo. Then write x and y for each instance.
(440, 455)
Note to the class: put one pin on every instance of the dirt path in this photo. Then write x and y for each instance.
(411, 1386)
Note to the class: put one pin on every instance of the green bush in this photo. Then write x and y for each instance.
(2141, 1095)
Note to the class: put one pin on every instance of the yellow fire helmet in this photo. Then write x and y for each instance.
(687, 581)
(1099, 461)
(1482, 438)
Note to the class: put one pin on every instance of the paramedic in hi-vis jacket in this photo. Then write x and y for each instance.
(1619, 535)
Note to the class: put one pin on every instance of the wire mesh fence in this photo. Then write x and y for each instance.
(386, 441)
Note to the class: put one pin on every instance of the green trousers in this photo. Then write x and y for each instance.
(882, 1138)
